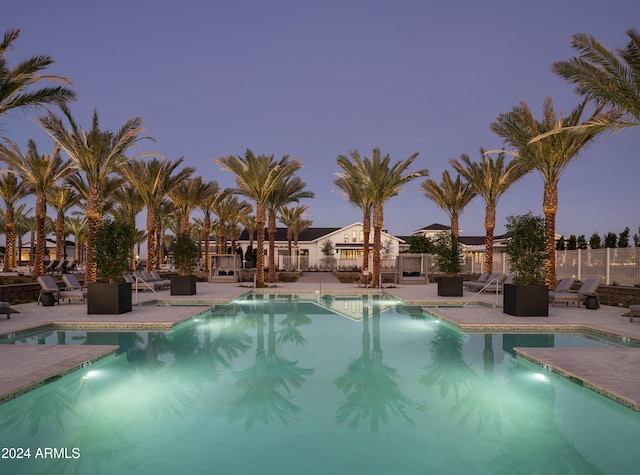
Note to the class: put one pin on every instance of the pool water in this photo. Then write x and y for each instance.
(286, 385)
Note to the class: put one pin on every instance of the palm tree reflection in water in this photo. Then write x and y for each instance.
(369, 386)
(266, 386)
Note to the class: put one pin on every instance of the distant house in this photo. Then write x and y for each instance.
(50, 250)
(325, 247)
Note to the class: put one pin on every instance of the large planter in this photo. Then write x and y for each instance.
(450, 286)
(526, 300)
(183, 285)
(108, 299)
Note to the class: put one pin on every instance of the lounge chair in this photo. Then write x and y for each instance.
(63, 268)
(146, 280)
(49, 286)
(587, 288)
(494, 279)
(6, 309)
(564, 285)
(72, 283)
(634, 311)
(51, 266)
(482, 278)
(158, 278)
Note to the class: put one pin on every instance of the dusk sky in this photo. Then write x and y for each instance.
(315, 79)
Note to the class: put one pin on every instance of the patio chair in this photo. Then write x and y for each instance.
(491, 282)
(71, 281)
(634, 311)
(145, 279)
(482, 278)
(564, 285)
(158, 278)
(49, 286)
(63, 268)
(52, 265)
(6, 309)
(587, 288)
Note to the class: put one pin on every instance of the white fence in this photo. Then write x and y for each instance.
(619, 266)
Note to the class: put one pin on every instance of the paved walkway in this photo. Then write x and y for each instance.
(613, 373)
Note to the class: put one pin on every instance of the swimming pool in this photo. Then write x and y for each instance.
(338, 385)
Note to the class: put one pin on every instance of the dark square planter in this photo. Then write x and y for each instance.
(183, 285)
(450, 286)
(108, 299)
(526, 300)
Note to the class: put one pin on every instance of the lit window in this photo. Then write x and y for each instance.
(353, 236)
(361, 236)
(346, 238)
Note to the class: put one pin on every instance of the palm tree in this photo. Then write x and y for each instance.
(350, 187)
(549, 156)
(22, 223)
(206, 205)
(16, 85)
(97, 154)
(129, 205)
(62, 199)
(153, 179)
(257, 178)
(186, 196)
(452, 196)
(42, 173)
(490, 180)
(291, 218)
(290, 190)
(606, 76)
(12, 190)
(381, 181)
(77, 226)
(229, 211)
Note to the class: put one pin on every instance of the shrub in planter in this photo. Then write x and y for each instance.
(185, 256)
(448, 258)
(525, 247)
(114, 241)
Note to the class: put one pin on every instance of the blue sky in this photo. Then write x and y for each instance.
(315, 79)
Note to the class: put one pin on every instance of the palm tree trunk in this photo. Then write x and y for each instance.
(489, 226)
(158, 256)
(261, 216)
(550, 208)
(151, 239)
(41, 214)
(207, 232)
(366, 234)
(455, 230)
(378, 222)
(94, 215)
(272, 246)
(60, 240)
(10, 251)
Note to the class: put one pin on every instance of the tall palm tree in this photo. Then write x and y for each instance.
(606, 76)
(42, 173)
(490, 180)
(249, 223)
(382, 181)
(22, 223)
(206, 205)
(549, 156)
(452, 196)
(153, 179)
(291, 189)
(291, 218)
(129, 205)
(257, 178)
(77, 226)
(12, 190)
(62, 199)
(229, 211)
(97, 154)
(17, 85)
(351, 188)
(186, 196)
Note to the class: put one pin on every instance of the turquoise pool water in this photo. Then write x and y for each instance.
(343, 385)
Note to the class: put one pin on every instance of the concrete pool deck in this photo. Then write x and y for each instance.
(613, 373)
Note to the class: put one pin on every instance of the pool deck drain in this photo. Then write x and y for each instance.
(611, 372)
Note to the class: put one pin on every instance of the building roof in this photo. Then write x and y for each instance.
(434, 227)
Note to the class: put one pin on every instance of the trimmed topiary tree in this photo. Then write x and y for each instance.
(114, 241)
